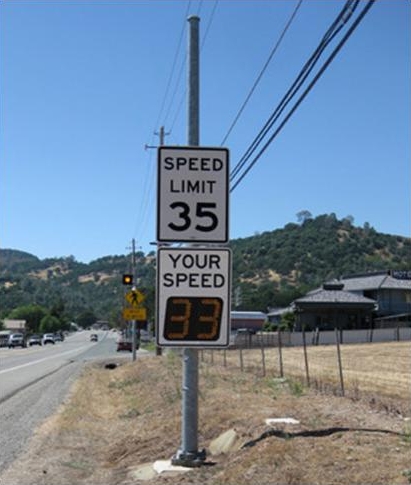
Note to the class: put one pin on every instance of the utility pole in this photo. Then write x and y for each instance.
(161, 135)
(189, 455)
(133, 322)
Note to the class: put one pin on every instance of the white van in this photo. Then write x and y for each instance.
(16, 340)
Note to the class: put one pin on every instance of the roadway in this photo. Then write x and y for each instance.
(34, 381)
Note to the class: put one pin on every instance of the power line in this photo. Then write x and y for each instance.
(147, 200)
(173, 66)
(332, 31)
(307, 90)
(256, 82)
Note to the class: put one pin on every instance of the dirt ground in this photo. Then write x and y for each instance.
(116, 420)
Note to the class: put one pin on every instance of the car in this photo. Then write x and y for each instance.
(48, 338)
(93, 337)
(34, 340)
(16, 340)
(124, 344)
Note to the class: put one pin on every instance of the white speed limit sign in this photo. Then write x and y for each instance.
(192, 188)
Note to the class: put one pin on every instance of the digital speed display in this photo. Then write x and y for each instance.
(193, 297)
(193, 318)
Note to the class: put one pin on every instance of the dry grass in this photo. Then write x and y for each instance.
(380, 370)
(118, 419)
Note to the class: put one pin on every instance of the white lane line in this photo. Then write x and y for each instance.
(44, 359)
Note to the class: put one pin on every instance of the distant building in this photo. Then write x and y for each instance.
(250, 320)
(15, 325)
(275, 314)
(332, 307)
(357, 301)
(391, 290)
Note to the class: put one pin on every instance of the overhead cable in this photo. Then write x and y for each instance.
(306, 91)
(333, 30)
(267, 62)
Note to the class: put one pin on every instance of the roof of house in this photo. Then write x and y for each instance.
(279, 311)
(334, 294)
(248, 315)
(375, 281)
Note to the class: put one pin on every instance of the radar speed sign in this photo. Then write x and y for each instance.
(193, 293)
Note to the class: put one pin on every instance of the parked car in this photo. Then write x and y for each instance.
(124, 344)
(48, 338)
(34, 340)
(93, 337)
(16, 340)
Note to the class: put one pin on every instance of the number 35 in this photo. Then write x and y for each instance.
(210, 220)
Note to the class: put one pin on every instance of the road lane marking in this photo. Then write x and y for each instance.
(44, 359)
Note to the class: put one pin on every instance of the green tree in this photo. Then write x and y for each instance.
(287, 321)
(49, 324)
(33, 314)
(86, 318)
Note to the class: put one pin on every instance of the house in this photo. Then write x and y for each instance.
(357, 301)
(391, 289)
(251, 320)
(333, 307)
(275, 314)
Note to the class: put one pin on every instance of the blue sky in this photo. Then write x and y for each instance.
(85, 85)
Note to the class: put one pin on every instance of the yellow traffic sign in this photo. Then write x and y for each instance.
(135, 314)
(135, 298)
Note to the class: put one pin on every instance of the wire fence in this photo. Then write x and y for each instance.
(378, 370)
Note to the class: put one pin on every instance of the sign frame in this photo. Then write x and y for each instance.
(192, 194)
(174, 265)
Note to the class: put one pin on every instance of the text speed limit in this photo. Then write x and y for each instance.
(192, 192)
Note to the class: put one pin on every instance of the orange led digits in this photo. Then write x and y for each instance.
(193, 318)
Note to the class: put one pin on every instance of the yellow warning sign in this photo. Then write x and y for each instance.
(135, 297)
(135, 314)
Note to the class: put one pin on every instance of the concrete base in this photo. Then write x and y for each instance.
(148, 471)
(161, 466)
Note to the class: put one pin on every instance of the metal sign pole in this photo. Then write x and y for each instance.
(189, 455)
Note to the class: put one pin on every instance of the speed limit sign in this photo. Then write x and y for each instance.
(192, 188)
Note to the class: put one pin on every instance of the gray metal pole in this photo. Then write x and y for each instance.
(133, 323)
(193, 122)
(189, 455)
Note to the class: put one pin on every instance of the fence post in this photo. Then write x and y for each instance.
(307, 374)
(241, 359)
(339, 361)
(262, 355)
(280, 353)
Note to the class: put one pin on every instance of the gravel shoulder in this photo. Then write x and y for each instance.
(28, 408)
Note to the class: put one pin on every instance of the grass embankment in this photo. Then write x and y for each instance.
(116, 420)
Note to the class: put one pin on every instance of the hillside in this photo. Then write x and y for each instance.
(269, 269)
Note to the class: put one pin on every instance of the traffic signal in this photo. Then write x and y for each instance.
(127, 279)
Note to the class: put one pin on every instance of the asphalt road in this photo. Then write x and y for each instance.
(34, 382)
